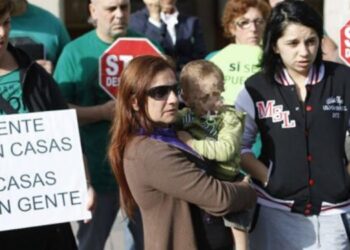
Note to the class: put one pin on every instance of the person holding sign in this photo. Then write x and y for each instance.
(158, 172)
(300, 105)
(180, 35)
(77, 75)
(214, 131)
(26, 87)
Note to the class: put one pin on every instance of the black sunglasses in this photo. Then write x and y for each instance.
(163, 91)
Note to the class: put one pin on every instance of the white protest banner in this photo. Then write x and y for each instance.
(42, 177)
(237, 62)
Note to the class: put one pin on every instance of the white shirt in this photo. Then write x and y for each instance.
(170, 20)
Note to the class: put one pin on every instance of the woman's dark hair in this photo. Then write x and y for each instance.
(284, 13)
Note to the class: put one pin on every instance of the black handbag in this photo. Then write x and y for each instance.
(210, 231)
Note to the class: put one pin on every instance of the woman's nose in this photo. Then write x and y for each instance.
(303, 50)
(173, 98)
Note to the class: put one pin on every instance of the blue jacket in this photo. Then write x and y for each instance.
(189, 44)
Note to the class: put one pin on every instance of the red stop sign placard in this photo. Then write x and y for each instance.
(117, 56)
(344, 51)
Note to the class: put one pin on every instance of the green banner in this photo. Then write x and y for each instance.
(237, 62)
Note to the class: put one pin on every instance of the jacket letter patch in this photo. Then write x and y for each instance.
(275, 112)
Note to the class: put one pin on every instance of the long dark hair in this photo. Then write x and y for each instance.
(135, 80)
(289, 11)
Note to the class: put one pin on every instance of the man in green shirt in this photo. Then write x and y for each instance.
(78, 77)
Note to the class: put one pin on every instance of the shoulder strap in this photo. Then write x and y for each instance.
(5, 105)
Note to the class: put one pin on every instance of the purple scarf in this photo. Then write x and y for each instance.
(169, 136)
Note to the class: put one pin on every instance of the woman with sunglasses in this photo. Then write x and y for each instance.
(156, 171)
(300, 105)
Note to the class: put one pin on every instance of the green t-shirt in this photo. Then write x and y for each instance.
(42, 27)
(257, 145)
(77, 74)
(11, 91)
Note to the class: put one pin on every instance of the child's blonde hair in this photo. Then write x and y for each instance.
(194, 73)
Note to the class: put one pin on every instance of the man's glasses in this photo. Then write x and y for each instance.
(246, 23)
(163, 91)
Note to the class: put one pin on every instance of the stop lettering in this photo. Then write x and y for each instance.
(344, 51)
(116, 58)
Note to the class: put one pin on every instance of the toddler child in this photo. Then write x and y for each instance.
(215, 131)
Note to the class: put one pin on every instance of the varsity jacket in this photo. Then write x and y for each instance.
(302, 143)
(40, 92)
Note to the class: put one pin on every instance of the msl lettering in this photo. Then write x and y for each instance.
(275, 112)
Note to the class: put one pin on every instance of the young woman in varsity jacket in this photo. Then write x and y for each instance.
(300, 105)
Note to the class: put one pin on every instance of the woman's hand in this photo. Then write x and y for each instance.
(247, 179)
(91, 200)
(250, 195)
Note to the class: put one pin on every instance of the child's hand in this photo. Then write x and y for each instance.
(185, 137)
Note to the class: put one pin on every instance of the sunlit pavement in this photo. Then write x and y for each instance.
(116, 238)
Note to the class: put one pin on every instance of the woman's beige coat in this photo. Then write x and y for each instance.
(163, 182)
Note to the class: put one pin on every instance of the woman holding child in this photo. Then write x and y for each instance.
(300, 106)
(159, 173)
